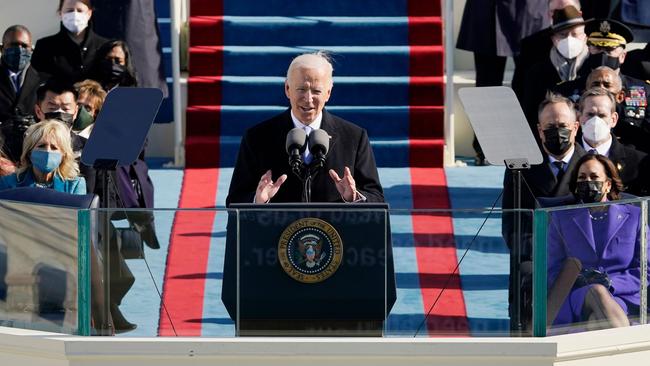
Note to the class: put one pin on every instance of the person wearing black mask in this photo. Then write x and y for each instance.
(604, 240)
(557, 129)
(113, 66)
(18, 84)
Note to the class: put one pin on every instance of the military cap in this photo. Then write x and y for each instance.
(607, 33)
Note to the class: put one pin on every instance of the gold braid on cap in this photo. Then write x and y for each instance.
(604, 38)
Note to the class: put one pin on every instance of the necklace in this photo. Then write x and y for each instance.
(602, 216)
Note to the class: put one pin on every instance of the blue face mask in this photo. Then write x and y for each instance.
(46, 161)
(16, 58)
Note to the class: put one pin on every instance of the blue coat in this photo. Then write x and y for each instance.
(570, 234)
(74, 186)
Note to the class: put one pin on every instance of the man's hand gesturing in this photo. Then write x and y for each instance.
(266, 188)
(346, 186)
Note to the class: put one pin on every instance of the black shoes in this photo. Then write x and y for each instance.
(120, 324)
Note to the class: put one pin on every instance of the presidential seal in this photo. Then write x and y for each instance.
(310, 250)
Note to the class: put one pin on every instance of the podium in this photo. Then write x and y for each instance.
(308, 269)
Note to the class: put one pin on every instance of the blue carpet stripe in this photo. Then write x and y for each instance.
(326, 8)
(142, 303)
(485, 288)
(379, 121)
(348, 61)
(291, 31)
(216, 321)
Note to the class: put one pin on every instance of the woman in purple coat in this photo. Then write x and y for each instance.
(606, 240)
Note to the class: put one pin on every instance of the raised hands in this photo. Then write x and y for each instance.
(346, 186)
(266, 188)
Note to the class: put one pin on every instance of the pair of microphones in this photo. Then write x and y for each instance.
(318, 143)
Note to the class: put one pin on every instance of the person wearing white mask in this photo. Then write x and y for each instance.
(70, 53)
(562, 63)
(597, 116)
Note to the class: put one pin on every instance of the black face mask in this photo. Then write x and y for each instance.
(602, 59)
(557, 140)
(112, 72)
(589, 191)
(66, 118)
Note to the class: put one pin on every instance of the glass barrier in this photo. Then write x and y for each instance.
(43, 271)
(164, 273)
(280, 271)
(453, 271)
(326, 270)
(590, 276)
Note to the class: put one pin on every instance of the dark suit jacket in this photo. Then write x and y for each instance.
(59, 56)
(13, 105)
(539, 182)
(263, 148)
(22, 103)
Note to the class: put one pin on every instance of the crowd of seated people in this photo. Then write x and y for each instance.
(587, 115)
(50, 95)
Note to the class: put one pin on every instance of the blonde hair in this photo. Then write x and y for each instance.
(93, 90)
(68, 169)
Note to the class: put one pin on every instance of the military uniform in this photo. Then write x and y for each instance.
(633, 125)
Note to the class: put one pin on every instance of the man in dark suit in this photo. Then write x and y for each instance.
(18, 84)
(597, 118)
(557, 129)
(262, 173)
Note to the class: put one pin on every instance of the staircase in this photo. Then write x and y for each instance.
(388, 68)
(388, 78)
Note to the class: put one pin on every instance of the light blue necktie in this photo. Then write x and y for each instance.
(307, 155)
(15, 79)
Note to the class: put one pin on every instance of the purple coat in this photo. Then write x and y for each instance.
(570, 234)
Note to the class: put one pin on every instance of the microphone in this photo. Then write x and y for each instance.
(319, 144)
(295, 144)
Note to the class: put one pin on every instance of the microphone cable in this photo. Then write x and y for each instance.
(455, 271)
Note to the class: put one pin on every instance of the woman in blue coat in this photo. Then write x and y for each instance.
(47, 160)
(606, 240)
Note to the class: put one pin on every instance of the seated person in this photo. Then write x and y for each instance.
(607, 289)
(47, 161)
(90, 99)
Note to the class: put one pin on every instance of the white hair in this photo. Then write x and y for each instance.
(315, 60)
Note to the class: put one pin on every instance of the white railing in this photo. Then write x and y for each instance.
(179, 15)
(448, 43)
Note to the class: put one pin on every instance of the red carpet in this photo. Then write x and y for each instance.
(433, 234)
(187, 257)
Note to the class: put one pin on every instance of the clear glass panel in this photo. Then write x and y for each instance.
(453, 272)
(318, 271)
(39, 277)
(593, 266)
(165, 273)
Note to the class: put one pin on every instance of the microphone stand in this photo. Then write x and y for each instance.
(306, 174)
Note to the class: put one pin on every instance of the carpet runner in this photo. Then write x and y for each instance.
(388, 62)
